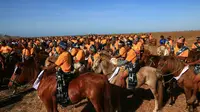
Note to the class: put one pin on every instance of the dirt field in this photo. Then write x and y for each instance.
(142, 102)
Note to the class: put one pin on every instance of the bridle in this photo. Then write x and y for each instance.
(169, 74)
(14, 81)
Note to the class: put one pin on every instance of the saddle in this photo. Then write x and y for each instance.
(63, 80)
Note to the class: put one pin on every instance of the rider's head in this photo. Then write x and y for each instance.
(198, 39)
(129, 44)
(3, 43)
(136, 40)
(93, 49)
(62, 46)
(169, 38)
(180, 42)
(121, 44)
(25, 45)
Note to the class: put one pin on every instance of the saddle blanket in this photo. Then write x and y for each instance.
(182, 72)
(37, 81)
(114, 74)
(113, 61)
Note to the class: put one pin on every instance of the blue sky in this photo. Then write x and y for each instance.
(70, 17)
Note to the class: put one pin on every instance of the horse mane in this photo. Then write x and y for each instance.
(194, 54)
(104, 56)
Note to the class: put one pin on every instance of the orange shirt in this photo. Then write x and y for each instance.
(31, 51)
(91, 43)
(5, 49)
(122, 52)
(87, 46)
(194, 46)
(131, 56)
(103, 41)
(25, 52)
(97, 40)
(117, 44)
(74, 51)
(183, 54)
(80, 56)
(64, 62)
(90, 61)
(137, 47)
(112, 47)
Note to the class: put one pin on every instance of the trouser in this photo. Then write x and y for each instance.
(63, 80)
(25, 58)
(197, 69)
(132, 71)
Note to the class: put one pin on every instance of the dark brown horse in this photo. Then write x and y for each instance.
(184, 79)
(94, 87)
(7, 67)
(193, 55)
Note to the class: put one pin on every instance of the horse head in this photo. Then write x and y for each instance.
(193, 55)
(23, 73)
(103, 65)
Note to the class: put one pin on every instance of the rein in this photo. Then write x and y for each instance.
(164, 75)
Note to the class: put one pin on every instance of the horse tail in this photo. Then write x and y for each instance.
(160, 93)
(107, 96)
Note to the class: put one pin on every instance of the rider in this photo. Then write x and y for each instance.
(131, 63)
(122, 51)
(161, 50)
(137, 46)
(5, 51)
(79, 57)
(93, 56)
(196, 45)
(181, 51)
(169, 45)
(25, 52)
(64, 72)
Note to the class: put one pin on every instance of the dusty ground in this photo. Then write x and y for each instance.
(143, 102)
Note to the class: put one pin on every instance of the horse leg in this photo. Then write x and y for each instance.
(188, 95)
(97, 104)
(171, 88)
(140, 79)
(55, 108)
(48, 104)
(194, 93)
(155, 94)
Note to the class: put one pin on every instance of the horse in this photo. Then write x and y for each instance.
(152, 42)
(146, 75)
(182, 74)
(193, 55)
(162, 51)
(94, 87)
(25, 67)
(7, 67)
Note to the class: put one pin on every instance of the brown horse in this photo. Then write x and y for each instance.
(21, 68)
(193, 55)
(7, 67)
(183, 75)
(94, 87)
(146, 75)
(147, 59)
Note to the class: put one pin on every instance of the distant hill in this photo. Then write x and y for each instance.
(6, 37)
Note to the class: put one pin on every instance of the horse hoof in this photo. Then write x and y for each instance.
(190, 109)
(14, 92)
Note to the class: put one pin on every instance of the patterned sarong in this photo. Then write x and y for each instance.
(132, 70)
